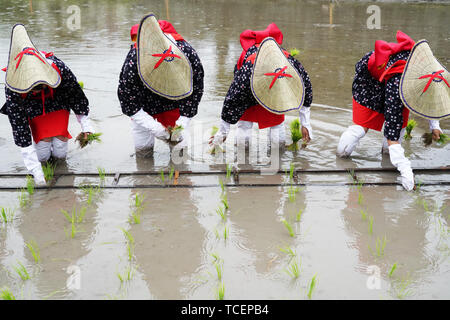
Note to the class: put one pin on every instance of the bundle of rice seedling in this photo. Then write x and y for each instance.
(175, 132)
(214, 130)
(294, 52)
(411, 125)
(296, 135)
(443, 139)
(84, 141)
(427, 138)
(81, 84)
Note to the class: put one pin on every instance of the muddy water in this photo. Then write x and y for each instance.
(180, 234)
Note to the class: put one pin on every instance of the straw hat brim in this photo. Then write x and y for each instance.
(33, 69)
(287, 92)
(171, 77)
(421, 92)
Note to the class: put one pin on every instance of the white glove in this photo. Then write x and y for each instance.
(434, 124)
(349, 140)
(33, 165)
(85, 123)
(398, 159)
(219, 137)
(183, 134)
(143, 119)
(304, 115)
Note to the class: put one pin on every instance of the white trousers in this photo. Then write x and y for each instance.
(55, 148)
(143, 138)
(244, 132)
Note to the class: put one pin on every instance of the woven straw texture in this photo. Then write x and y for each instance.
(434, 103)
(32, 70)
(286, 93)
(172, 77)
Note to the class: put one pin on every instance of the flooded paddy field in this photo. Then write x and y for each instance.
(206, 235)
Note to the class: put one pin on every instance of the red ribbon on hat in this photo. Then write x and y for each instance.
(384, 50)
(167, 27)
(437, 74)
(277, 75)
(249, 38)
(29, 51)
(166, 54)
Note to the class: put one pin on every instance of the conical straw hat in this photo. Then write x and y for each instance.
(275, 83)
(424, 86)
(167, 73)
(27, 67)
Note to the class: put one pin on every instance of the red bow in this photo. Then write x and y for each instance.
(249, 38)
(432, 76)
(29, 51)
(167, 53)
(277, 75)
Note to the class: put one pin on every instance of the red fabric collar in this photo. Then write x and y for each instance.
(249, 38)
(383, 51)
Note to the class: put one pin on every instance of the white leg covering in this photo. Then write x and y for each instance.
(349, 140)
(59, 148)
(278, 134)
(143, 137)
(398, 159)
(243, 132)
(43, 150)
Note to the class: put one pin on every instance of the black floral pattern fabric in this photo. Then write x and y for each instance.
(134, 95)
(379, 96)
(68, 96)
(239, 96)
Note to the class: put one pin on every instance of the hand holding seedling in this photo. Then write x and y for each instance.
(436, 134)
(305, 135)
(85, 138)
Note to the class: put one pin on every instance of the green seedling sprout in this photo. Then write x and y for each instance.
(401, 288)
(222, 214)
(291, 172)
(90, 191)
(312, 285)
(288, 227)
(101, 174)
(216, 232)
(81, 84)
(34, 250)
(292, 191)
(360, 198)
(222, 186)
(24, 200)
(224, 200)
(409, 127)
(228, 167)
(363, 214)
(443, 139)
(127, 275)
(162, 176)
(30, 185)
(299, 215)
(289, 251)
(6, 215)
(391, 272)
(219, 270)
(380, 245)
(214, 130)
(294, 52)
(293, 270)
(172, 170)
(92, 137)
(215, 257)
(370, 225)
(296, 134)
(225, 233)
(22, 271)
(49, 171)
(130, 243)
(220, 293)
(6, 294)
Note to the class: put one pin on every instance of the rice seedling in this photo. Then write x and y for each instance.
(34, 250)
(84, 140)
(288, 227)
(409, 127)
(162, 176)
(6, 294)
(443, 139)
(293, 270)
(6, 215)
(296, 135)
(22, 271)
(363, 214)
(219, 270)
(101, 174)
(24, 199)
(360, 183)
(127, 274)
(294, 52)
(228, 168)
(216, 232)
(391, 272)
(215, 257)
(312, 285)
(81, 84)
(222, 214)
(299, 215)
(225, 233)
(380, 245)
(222, 186)
(370, 225)
(76, 216)
(291, 172)
(30, 185)
(401, 288)
(135, 216)
(138, 200)
(220, 292)
(172, 170)
(90, 191)
(292, 191)
(214, 130)
(360, 198)
(130, 243)
(49, 171)
(289, 251)
(224, 201)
